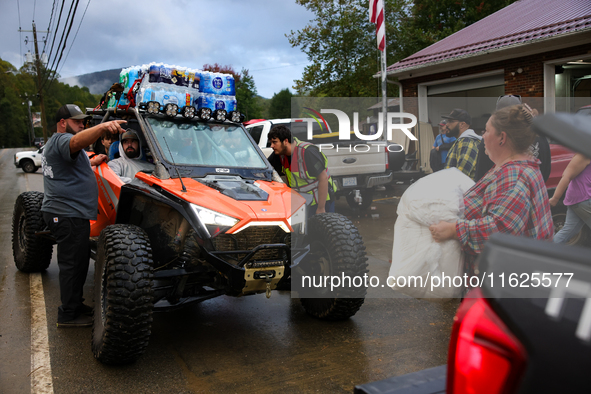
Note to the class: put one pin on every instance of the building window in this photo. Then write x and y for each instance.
(572, 85)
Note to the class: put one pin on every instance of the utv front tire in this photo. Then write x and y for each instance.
(122, 294)
(336, 248)
(32, 253)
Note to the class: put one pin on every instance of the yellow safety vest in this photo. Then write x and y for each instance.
(298, 176)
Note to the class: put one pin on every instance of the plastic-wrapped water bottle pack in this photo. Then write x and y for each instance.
(177, 85)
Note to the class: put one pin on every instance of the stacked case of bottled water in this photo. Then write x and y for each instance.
(182, 86)
(217, 91)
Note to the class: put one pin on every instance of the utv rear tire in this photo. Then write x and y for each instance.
(31, 253)
(123, 295)
(336, 248)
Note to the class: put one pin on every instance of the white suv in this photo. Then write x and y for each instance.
(29, 161)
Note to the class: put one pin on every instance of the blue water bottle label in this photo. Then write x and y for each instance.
(217, 83)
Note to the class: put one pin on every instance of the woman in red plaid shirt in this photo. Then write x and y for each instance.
(511, 198)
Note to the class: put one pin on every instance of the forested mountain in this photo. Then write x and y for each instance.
(97, 83)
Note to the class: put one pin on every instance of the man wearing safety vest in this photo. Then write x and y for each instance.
(305, 168)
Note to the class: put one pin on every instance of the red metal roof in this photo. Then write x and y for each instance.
(518, 23)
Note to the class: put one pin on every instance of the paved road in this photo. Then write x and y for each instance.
(224, 345)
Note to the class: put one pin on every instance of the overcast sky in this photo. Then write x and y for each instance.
(114, 34)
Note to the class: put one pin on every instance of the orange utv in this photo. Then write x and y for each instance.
(212, 218)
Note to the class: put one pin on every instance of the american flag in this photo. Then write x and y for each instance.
(376, 15)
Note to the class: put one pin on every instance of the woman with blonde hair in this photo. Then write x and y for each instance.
(511, 197)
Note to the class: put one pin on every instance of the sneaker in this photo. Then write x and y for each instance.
(80, 321)
(85, 310)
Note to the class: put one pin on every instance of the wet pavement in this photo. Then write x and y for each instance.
(227, 345)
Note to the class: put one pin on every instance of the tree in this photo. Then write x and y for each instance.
(17, 87)
(341, 42)
(280, 106)
(433, 20)
(246, 96)
(337, 43)
(263, 104)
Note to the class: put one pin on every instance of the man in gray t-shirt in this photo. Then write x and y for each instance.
(70, 202)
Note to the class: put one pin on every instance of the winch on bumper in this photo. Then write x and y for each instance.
(261, 252)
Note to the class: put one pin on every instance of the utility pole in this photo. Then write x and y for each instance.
(30, 120)
(39, 90)
(39, 84)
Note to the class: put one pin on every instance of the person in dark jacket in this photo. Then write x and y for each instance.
(443, 142)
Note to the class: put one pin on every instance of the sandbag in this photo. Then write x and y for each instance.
(434, 198)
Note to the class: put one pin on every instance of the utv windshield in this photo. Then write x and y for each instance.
(191, 143)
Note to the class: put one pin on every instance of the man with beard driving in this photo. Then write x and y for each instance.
(130, 162)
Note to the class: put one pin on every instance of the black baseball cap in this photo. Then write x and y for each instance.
(70, 111)
(460, 115)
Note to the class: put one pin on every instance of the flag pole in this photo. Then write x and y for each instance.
(384, 84)
(377, 15)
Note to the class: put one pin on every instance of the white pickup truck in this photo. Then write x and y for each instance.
(357, 169)
(29, 161)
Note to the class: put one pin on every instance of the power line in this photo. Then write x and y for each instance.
(49, 26)
(70, 21)
(55, 35)
(18, 6)
(52, 70)
(65, 42)
(75, 35)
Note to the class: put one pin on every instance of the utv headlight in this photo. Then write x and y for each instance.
(214, 222)
(171, 109)
(219, 115)
(204, 114)
(234, 116)
(188, 112)
(297, 221)
(153, 107)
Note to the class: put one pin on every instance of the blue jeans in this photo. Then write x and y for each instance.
(577, 215)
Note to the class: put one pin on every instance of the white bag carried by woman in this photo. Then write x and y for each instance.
(416, 257)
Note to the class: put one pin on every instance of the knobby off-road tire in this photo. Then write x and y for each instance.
(337, 248)
(31, 253)
(122, 295)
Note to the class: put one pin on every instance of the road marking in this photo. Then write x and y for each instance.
(41, 381)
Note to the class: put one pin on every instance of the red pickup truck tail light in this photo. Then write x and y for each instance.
(387, 158)
(484, 356)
